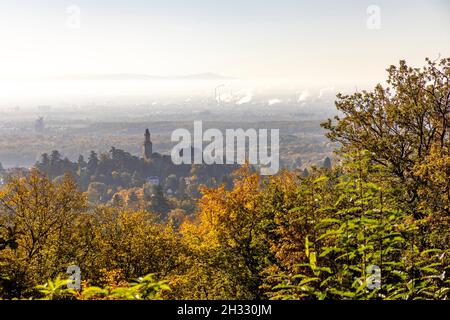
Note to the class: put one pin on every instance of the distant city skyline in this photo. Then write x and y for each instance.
(311, 42)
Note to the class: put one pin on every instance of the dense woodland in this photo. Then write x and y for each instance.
(119, 178)
(385, 202)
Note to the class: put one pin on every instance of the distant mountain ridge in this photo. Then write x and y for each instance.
(135, 76)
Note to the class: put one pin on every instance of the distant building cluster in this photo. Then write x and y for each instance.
(39, 125)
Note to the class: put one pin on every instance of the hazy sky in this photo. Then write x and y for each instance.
(306, 40)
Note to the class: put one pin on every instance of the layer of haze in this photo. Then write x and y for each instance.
(298, 44)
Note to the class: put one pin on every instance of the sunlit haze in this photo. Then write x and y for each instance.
(270, 45)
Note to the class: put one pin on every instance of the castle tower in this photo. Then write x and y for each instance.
(148, 146)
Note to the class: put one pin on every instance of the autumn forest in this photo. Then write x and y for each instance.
(374, 224)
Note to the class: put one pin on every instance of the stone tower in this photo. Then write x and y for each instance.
(148, 146)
